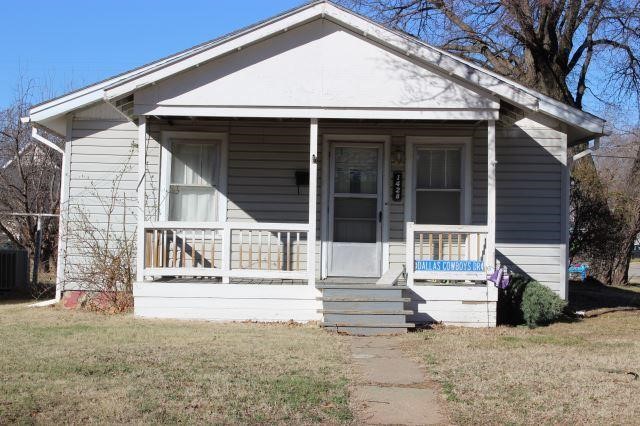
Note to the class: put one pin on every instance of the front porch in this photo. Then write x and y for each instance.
(246, 265)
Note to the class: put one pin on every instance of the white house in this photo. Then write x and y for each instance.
(293, 169)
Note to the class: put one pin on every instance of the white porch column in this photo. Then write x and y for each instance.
(313, 191)
(491, 195)
(142, 160)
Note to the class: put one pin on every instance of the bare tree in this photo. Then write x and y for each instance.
(29, 181)
(613, 198)
(564, 49)
(557, 47)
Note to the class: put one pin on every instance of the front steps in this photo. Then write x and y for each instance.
(365, 309)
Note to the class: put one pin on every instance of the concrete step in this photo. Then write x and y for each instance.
(324, 285)
(363, 292)
(365, 309)
(366, 304)
(366, 318)
(365, 299)
(356, 329)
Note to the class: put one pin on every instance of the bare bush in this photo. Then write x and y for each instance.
(100, 254)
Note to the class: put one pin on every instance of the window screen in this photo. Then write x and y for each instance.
(438, 186)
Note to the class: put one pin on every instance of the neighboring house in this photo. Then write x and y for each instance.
(300, 164)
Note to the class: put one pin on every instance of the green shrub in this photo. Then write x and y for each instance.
(540, 305)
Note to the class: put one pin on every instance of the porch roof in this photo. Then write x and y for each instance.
(583, 125)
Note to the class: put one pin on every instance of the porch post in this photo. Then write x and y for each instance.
(142, 160)
(491, 195)
(313, 191)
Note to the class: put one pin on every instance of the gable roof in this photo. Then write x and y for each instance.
(124, 84)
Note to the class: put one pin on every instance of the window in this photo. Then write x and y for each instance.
(193, 180)
(439, 186)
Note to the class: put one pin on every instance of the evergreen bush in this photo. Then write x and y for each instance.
(540, 305)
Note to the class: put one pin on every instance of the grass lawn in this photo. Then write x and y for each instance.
(76, 367)
(567, 373)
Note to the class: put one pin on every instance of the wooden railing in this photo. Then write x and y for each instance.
(214, 249)
(446, 252)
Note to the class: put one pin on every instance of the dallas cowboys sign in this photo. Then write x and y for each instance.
(450, 265)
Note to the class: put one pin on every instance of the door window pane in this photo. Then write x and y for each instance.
(355, 220)
(438, 207)
(356, 170)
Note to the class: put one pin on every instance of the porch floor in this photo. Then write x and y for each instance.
(347, 281)
(269, 281)
(208, 280)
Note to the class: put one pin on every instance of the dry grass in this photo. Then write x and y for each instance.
(567, 373)
(77, 367)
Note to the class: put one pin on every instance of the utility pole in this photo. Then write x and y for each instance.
(36, 254)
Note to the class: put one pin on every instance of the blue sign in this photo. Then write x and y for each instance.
(582, 269)
(450, 265)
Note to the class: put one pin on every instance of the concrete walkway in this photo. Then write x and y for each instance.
(392, 388)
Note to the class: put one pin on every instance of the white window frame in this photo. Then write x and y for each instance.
(166, 138)
(413, 144)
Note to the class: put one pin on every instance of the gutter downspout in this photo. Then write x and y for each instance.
(63, 173)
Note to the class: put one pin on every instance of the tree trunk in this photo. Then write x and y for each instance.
(547, 77)
(621, 261)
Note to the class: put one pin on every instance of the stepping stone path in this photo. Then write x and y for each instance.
(392, 388)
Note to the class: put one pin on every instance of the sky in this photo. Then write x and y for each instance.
(60, 45)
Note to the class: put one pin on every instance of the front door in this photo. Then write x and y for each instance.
(355, 210)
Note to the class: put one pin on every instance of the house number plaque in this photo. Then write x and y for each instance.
(397, 186)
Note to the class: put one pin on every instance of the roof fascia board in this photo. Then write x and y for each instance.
(66, 106)
(572, 116)
(550, 104)
(78, 99)
(283, 24)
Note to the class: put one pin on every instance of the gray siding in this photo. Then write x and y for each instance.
(102, 182)
(530, 213)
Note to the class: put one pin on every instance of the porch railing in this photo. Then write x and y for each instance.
(446, 252)
(226, 249)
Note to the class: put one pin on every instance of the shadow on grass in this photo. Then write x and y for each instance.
(12, 297)
(40, 292)
(592, 295)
